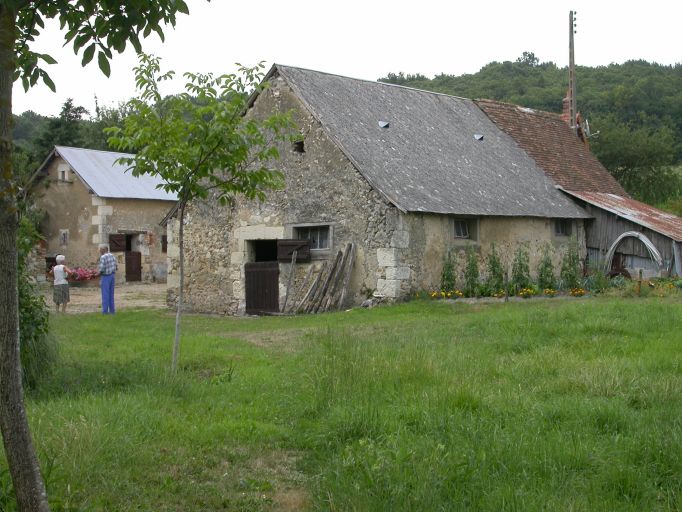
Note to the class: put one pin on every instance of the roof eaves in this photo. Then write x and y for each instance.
(634, 219)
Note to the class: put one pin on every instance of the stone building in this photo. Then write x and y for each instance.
(88, 198)
(406, 175)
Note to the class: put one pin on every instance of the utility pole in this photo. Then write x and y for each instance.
(572, 105)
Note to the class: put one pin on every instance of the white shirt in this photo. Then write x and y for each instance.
(59, 274)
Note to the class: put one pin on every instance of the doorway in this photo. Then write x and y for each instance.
(261, 276)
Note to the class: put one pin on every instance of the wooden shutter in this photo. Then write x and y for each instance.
(285, 248)
(117, 242)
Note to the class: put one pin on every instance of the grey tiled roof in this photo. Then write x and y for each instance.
(429, 158)
(106, 178)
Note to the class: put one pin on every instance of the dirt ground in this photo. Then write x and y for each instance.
(127, 296)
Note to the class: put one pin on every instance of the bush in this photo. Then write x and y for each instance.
(597, 281)
(495, 280)
(546, 278)
(38, 347)
(520, 277)
(448, 278)
(471, 274)
(570, 267)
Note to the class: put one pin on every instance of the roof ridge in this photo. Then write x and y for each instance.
(534, 111)
(376, 82)
(94, 150)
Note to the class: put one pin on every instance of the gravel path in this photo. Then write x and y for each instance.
(87, 299)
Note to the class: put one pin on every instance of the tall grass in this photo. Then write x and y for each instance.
(552, 405)
(529, 409)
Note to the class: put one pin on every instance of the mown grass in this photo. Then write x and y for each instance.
(541, 405)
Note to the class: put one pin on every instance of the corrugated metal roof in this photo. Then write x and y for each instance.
(106, 178)
(640, 213)
(554, 146)
(428, 158)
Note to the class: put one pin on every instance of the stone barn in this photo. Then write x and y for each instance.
(405, 175)
(88, 199)
(622, 236)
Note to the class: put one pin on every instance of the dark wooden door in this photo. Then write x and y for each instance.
(133, 266)
(262, 287)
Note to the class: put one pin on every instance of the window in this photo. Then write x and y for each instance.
(318, 236)
(63, 237)
(63, 172)
(462, 228)
(164, 243)
(562, 227)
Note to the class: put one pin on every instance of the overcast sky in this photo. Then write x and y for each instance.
(370, 38)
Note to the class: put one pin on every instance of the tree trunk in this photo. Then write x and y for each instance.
(181, 293)
(21, 459)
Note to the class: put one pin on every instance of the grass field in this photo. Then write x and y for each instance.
(540, 405)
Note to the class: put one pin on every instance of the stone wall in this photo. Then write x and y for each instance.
(321, 188)
(432, 237)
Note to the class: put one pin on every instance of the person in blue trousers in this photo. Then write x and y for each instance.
(107, 272)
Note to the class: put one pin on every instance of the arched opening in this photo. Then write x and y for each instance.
(615, 261)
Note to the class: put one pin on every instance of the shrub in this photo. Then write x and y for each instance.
(448, 278)
(546, 278)
(597, 281)
(520, 277)
(38, 347)
(471, 273)
(570, 267)
(495, 280)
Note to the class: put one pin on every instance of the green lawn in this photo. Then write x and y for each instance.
(539, 405)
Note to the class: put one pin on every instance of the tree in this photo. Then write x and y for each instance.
(200, 143)
(639, 157)
(91, 26)
(93, 136)
(65, 130)
(529, 59)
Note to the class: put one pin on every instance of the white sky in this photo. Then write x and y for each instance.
(370, 38)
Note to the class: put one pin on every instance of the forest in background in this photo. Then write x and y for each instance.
(634, 111)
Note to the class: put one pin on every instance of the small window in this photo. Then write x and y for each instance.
(462, 229)
(562, 227)
(63, 172)
(318, 236)
(164, 243)
(63, 237)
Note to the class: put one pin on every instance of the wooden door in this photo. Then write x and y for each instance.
(262, 287)
(133, 266)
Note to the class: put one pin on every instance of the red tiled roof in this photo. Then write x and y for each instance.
(553, 146)
(640, 213)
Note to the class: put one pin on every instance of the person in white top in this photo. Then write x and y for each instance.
(61, 285)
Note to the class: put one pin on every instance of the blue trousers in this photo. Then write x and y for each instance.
(107, 285)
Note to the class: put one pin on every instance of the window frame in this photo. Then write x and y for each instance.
(563, 228)
(471, 224)
(308, 229)
(292, 231)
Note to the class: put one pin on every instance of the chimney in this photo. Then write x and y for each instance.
(566, 108)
